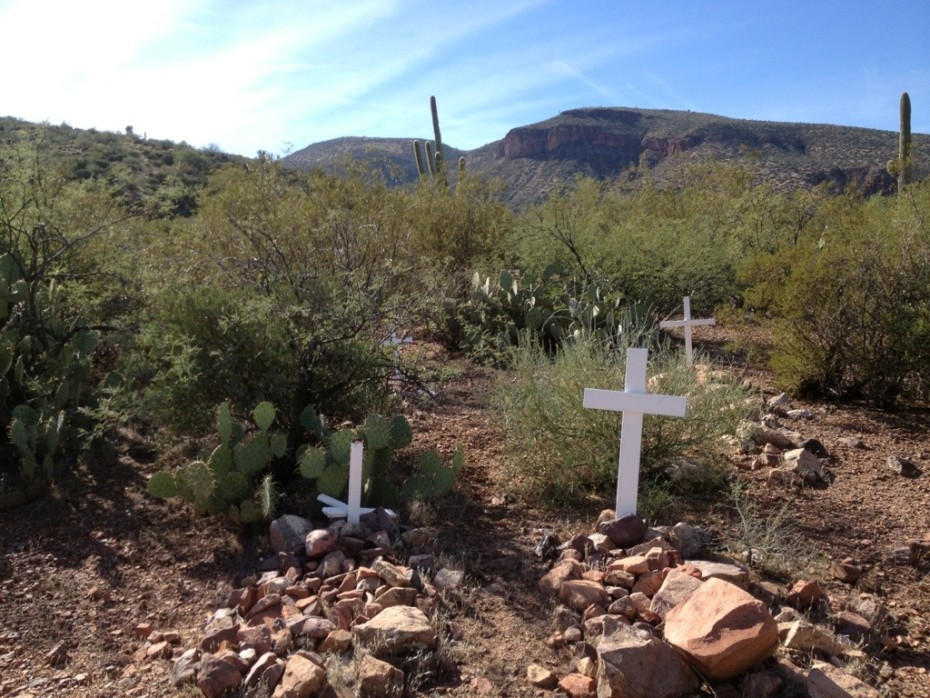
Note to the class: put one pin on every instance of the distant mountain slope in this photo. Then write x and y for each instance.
(166, 176)
(393, 157)
(610, 142)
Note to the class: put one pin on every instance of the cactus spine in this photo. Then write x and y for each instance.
(904, 143)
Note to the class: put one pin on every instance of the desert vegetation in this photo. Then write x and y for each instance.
(126, 300)
(236, 316)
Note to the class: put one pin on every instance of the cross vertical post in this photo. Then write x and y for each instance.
(393, 340)
(633, 402)
(354, 497)
(352, 508)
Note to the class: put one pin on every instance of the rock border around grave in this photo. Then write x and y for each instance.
(346, 592)
(652, 619)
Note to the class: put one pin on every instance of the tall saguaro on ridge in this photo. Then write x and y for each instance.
(904, 143)
(434, 166)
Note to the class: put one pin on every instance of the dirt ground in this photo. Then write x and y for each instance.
(80, 569)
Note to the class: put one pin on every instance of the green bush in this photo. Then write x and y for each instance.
(564, 452)
(50, 322)
(500, 312)
(654, 245)
(200, 347)
(208, 345)
(851, 301)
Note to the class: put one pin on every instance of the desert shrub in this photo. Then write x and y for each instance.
(460, 230)
(199, 347)
(279, 289)
(768, 540)
(851, 299)
(563, 452)
(657, 244)
(203, 346)
(502, 310)
(49, 324)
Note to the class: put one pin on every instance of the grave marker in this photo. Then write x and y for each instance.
(393, 340)
(687, 322)
(633, 402)
(352, 508)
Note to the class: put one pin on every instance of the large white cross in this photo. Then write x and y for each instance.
(633, 403)
(687, 323)
(352, 509)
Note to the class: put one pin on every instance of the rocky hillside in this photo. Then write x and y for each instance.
(617, 142)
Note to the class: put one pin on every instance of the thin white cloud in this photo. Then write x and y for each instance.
(564, 69)
(251, 76)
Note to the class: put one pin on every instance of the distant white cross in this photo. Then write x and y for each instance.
(687, 323)
(633, 403)
(393, 340)
(352, 509)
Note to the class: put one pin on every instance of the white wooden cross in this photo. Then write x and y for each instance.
(633, 403)
(352, 509)
(687, 323)
(393, 340)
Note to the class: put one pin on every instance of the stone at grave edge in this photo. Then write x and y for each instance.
(633, 663)
(624, 532)
(722, 629)
(288, 533)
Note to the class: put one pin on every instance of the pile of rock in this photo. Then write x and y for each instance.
(644, 617)
(792, 458)
(325, 591)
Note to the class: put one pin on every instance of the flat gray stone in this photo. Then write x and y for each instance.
(635, 664)
(397, 629)
(288, 533)
(727, 571)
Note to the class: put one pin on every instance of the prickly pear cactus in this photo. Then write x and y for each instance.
(401, 434)
(327, 465)
(433, 477)
(225, 481)
(340, 447)
(377, 432)
(45, 364)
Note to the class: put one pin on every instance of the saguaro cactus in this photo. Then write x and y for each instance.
(433, 165)
(904, 143)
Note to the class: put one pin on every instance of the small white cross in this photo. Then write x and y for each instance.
(353, 509)
(633, 403)
(393, 340)
(687, 323)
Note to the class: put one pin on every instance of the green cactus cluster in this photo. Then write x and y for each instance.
(327, 463)
(44, 367)
(224, 482)
(500, 312)
(433, 477)
(433, 166)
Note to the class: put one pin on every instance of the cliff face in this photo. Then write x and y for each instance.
(576, 140)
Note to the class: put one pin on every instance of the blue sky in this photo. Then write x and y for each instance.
(251, 75)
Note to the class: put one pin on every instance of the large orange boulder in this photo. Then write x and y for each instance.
(722, 630)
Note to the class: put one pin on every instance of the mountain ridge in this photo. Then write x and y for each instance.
(622, 142)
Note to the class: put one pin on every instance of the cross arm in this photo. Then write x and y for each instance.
(643, 403)
(665, 324)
